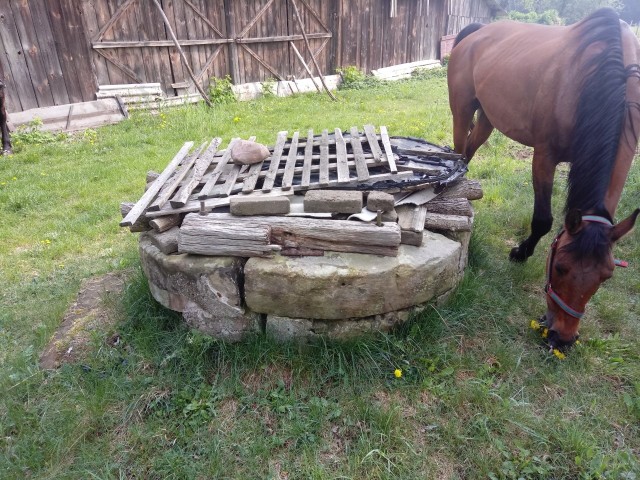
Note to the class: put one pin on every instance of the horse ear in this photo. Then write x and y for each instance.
(624, 227)
(573, 221)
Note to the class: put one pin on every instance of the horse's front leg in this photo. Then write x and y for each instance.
(543, 171)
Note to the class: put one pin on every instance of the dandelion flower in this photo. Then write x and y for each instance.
(397, 373)
(535, 325)
(559, 354)
(545, 333)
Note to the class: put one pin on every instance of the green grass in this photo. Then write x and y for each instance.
(479, 397)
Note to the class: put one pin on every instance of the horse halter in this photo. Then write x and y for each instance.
(554, 246)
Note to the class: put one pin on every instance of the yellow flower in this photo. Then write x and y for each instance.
(559, 354)
(397, 373)
(545, 333)
(236, 119)
(535, 325)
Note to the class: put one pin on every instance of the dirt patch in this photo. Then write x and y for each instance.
(86, 315)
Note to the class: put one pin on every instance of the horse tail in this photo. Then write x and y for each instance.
(466, 31)
(599, 113)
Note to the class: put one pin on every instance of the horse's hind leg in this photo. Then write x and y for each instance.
(543, 172)
(479, 134)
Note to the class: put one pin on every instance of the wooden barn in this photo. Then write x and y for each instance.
(60, 52)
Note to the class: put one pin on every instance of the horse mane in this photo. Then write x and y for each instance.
(466, 31)
(600, 111)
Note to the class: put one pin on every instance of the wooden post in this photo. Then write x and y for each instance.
(313, 58)
(182, 55)
(306, 67)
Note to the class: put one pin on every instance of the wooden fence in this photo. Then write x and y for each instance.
(59, 51)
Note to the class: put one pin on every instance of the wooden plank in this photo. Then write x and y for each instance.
(201, 166)
(341, 152)
(324, 159)
(30, 47)
(361, 162)
(77, 51)
(167, 190)
(208, 187)
(387, 149)
(287, 176)
(308, 152)
(274, 162)
(150, 194)
(372, 138)
(13, 54)
(411, 217)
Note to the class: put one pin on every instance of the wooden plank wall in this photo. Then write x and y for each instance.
(46, 54)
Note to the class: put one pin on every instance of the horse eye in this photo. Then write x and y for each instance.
(561, 269)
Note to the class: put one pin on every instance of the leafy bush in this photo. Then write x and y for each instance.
(220, 91)
(354, 79)
(32, 134)
(548, 17)
(427, 73)
(269, 88)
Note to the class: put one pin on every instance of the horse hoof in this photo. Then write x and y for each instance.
(517, 255)
(7, 152)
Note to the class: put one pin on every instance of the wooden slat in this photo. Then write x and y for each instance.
(230, 181)
(361, 163)
(171, 186)
(208, 187)
(324, 159)
(153, 190)
(252, 177)
(308, 153)
(370, 132)
(287, 177)
(274, 162)
(201, 166)
(387, 149)
(341, 152)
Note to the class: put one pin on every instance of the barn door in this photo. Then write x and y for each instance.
(267, 34)
(131, 43)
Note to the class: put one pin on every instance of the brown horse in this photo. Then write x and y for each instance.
(573, 94)
(6, 139)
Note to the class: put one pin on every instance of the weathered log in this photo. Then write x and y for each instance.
(141, 224)
(220, 238)
(450, 206)
(453, 223)
(295, 233)
(162, 224)
(469, 189)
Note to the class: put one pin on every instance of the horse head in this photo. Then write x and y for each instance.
(580, 260)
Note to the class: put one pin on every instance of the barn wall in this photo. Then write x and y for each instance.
(49, 54)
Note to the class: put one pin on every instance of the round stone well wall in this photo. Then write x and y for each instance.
(338, 295)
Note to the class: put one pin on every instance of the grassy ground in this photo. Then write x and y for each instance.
(479, 397)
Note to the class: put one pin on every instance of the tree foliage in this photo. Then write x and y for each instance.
(570, 11)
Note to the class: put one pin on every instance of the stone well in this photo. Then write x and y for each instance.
(338, 295)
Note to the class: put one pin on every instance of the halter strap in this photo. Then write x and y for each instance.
(549, 291)
(597, 219)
